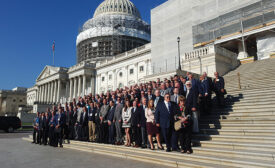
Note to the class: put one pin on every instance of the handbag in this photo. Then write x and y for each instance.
(177, 125)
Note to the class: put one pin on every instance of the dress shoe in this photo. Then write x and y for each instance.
(61, 146)
(168, 150)
(160, 148)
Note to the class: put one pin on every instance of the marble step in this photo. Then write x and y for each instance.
(239, 132)
(217, 160)
(238, 126)
(233, 138)
(246, 121)
(269, 156)
(235, 145)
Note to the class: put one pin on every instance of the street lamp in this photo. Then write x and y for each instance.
(178, 39)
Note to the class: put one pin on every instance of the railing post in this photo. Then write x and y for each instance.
(239, 80)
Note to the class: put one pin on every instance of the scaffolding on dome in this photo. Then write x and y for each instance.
(109, 35)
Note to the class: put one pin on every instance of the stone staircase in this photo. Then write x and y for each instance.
(240, 135)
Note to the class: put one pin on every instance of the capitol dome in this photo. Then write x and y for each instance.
(117, 7)
(116, 27)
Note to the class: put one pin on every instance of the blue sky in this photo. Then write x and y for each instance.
(29, 27)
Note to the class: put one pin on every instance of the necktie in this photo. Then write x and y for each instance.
(176, 99)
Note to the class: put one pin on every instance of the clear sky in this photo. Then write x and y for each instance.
(29, 27)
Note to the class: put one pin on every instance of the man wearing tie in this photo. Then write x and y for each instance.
(142, 122)
(175, 97)
(45, 128)
(110, 117)
(134, 125)
(158, 97)
(164, 117)
(117, 120)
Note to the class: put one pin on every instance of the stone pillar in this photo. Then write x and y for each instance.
(44, 93)
(107, 81)
(92, 85)
(79, 86)
(54, 91)
(74, 95)
(127, 75)
(242, 52)
(71, 89)
(58, 91)
(39, 94)
(84, 85)
(136, 68)
(51, 99)
(115, 80)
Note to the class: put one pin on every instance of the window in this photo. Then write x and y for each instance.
(131, 71)
(102, 79)
(120, 74)
(110, 77)
(141, 69)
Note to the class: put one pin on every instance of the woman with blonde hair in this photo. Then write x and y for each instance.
(152, 129)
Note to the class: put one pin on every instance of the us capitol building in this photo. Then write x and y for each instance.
(116, 48)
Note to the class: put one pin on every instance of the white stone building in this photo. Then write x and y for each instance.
(209, 41)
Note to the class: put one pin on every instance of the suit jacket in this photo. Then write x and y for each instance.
(160, 99)
(134, 116)
(118, 112)
(45, 123)
(104, 112)
(111, 113)
(91, 114)
(218, 84)
(204, 88)
(152, 96)
(74, 117)
(60, 119)
(141, 116)
(84, 119)
(173, 99)
(164, 116)
(191, 102)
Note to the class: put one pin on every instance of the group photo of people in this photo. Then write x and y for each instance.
(157, 115)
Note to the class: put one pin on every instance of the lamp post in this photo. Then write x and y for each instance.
(178, 40)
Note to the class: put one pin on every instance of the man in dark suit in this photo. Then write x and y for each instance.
(158, 97)
(190, 108)
(61, 121)
(52, 125)
(218, 87)
(142, 122)
(84, 124)
(110, 118)
(150, 95)
(208, 96)
(164, 117)
(134, 125)
(45, 128)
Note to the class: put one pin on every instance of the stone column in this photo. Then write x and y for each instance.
(71, 89)
(74, 95)
(127, 75)
(51, 98)
(115, 79)
(58, 90)
(136, 68)
(92, 85)
(54, 91)
(39, 94)
(44, 93)
(84, 85)
(79, 86)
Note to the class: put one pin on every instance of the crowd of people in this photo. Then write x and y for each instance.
(158, 111)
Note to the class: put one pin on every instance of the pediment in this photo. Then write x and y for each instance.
(48, 71)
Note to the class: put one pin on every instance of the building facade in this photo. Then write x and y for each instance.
(11, 100)
(107, 61)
